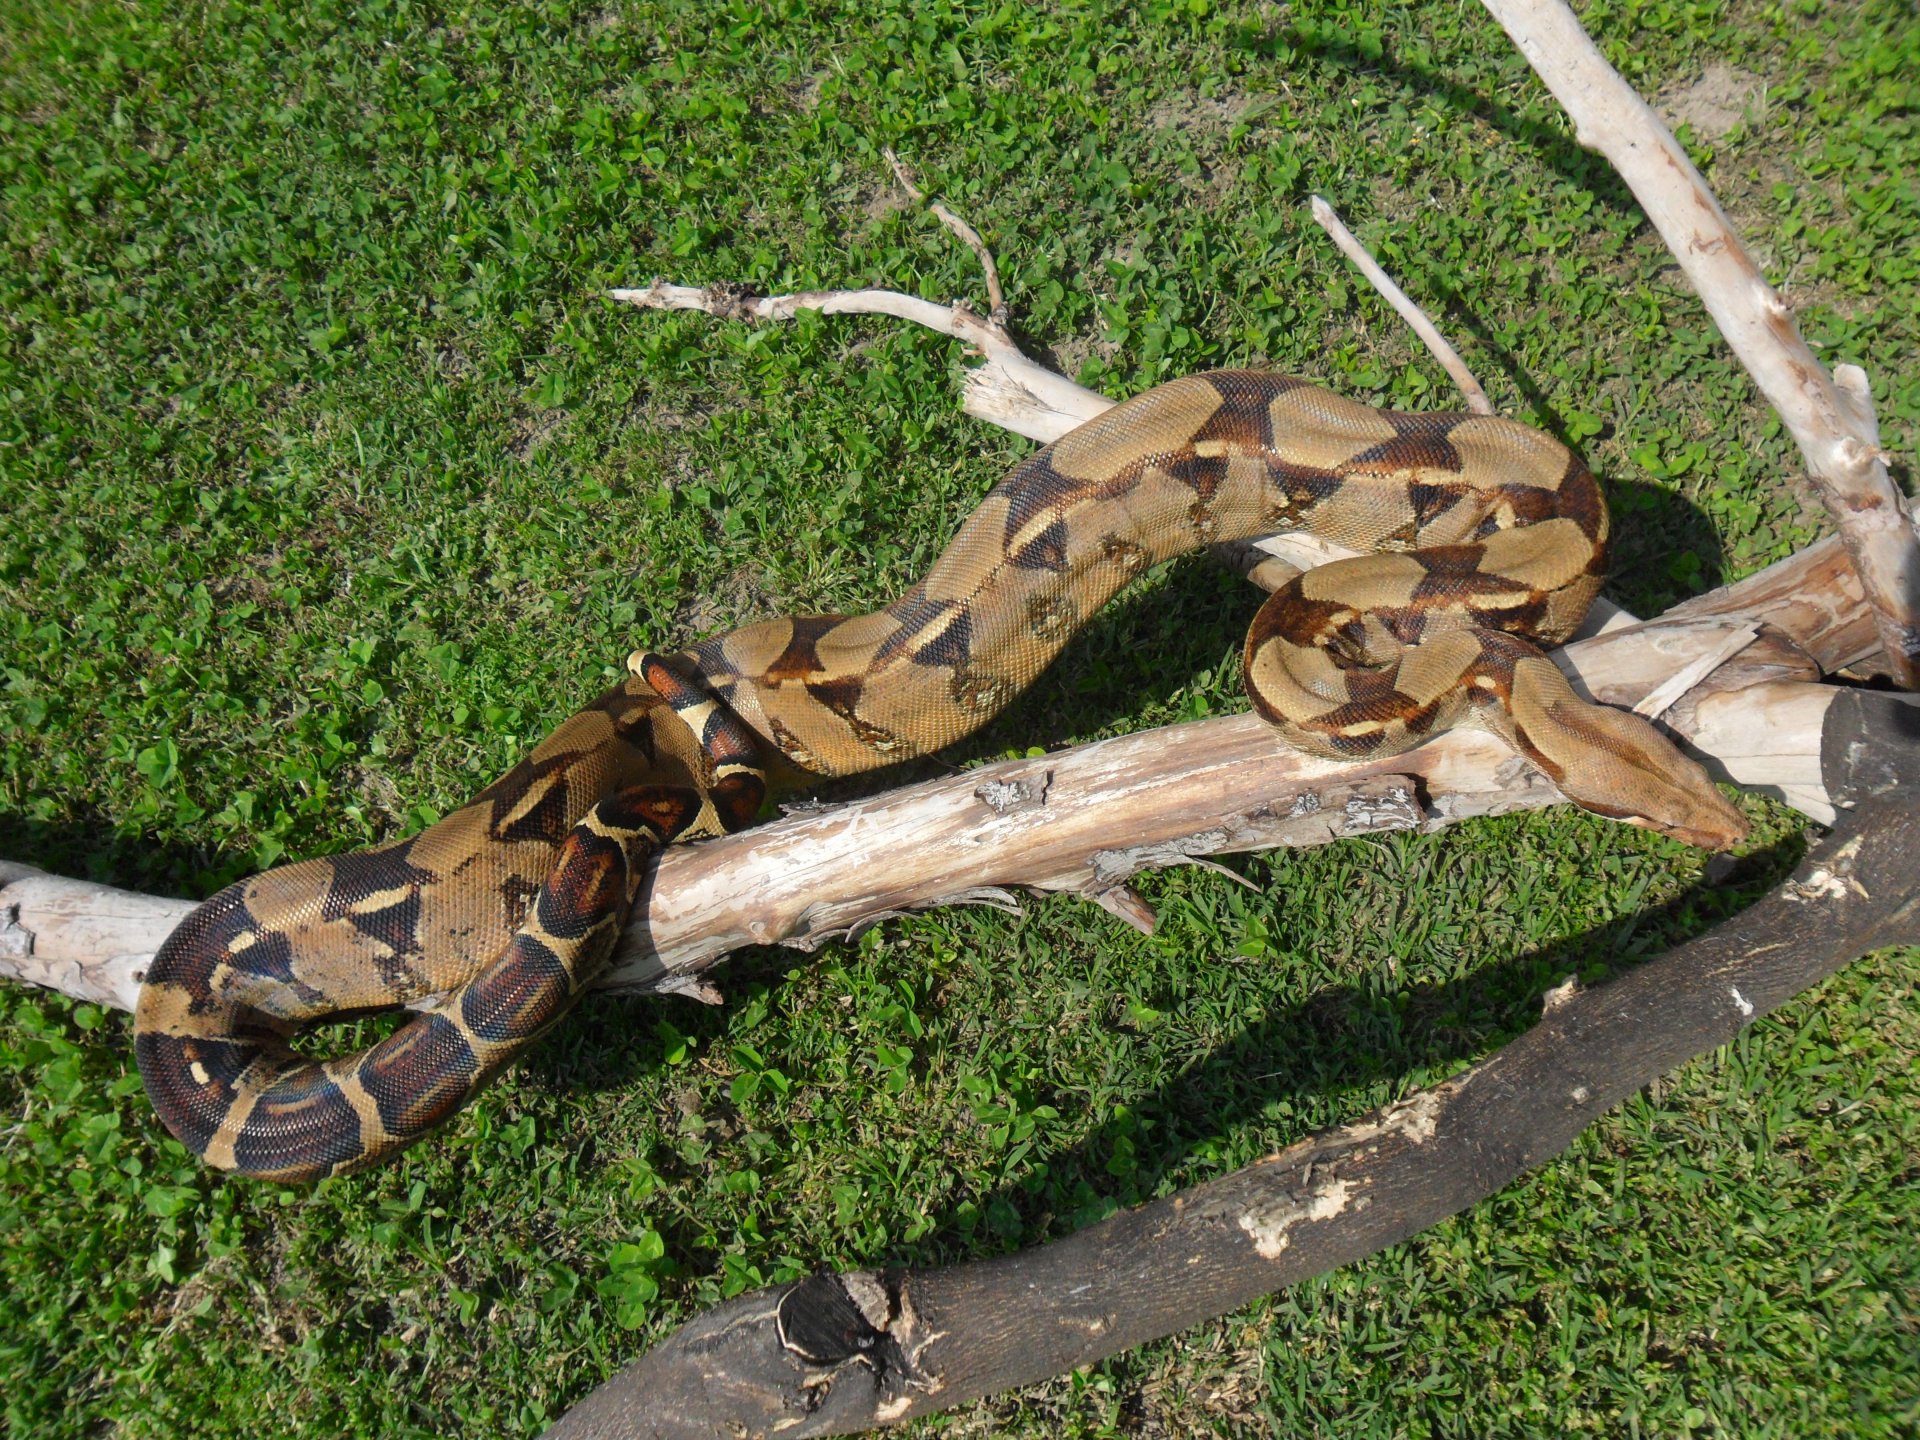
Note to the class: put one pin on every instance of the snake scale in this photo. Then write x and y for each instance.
(1488, 540)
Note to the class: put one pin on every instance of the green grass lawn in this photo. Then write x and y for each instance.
(331, 483)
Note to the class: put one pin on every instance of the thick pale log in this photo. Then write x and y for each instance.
(1052, 823)
(1203, 789)
(92, 942)
(1048, 824)
(834, 1354)
(1766, 738)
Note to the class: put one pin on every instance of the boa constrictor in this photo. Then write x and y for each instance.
(1490, 539)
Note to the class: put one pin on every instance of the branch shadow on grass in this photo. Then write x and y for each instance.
(1140, 654)
(1555, 145)
(1343, 1041)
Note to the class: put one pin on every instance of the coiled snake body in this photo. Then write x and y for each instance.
(1490, 540)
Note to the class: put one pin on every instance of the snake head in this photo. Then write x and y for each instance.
(1640, 776)
(1714, 826)
(1617, 764)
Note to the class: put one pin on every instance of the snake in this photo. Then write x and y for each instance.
(1483, 541)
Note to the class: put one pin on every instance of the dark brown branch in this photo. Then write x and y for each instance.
(840, 1353)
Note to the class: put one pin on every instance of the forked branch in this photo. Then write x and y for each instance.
(1829, 416)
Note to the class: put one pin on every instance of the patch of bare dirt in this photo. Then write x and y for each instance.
(661, 416)
(1715, 103)
(884, 204)
(1070, 354)
(741, 596)
(805, 94)
(533, 432)
(1193, 111)
(452, 361)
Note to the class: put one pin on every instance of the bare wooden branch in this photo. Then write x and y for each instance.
(1202, 789)
(1213, 787)
(92, 942)
(1830, 419)
(1416, 318)
(970, 237)
(1785, 625)
(833, 1354)
(1009, 390)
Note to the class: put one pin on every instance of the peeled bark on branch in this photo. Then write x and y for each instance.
(1178, 796)
(837, 1353)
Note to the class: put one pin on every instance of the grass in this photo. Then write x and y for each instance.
(332, 483)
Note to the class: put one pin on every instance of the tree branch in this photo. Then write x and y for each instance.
(1008, 390)
(1179, 795)
(839, 1353)
(1416, 318)
(1829, 418)
(968, 236)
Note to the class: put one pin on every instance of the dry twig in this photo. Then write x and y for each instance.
(1416, 318)
(970, 237)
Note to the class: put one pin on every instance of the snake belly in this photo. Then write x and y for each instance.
(1488, 540)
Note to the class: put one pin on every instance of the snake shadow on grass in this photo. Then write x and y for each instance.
(1187, 619)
